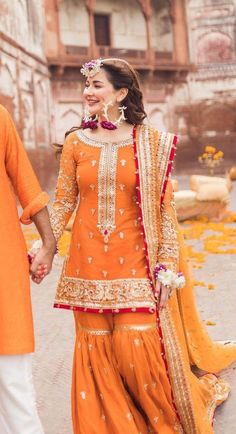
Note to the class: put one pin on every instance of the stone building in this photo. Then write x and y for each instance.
(206, 112)
(184, 51)
(24, 74)
(151, 35)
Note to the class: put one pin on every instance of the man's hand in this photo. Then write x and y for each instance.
(42, 258)
(42, 262)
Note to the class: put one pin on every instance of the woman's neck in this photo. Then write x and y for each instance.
(122, 132)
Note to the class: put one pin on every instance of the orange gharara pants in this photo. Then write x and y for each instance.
(120, 384)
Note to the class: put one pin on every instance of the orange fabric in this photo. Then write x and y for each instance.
(203, 352)
(118, 247)
(190, 344)
(120, 377)
(34, 206)
(117, 263)
(16, 327)
(206, 354)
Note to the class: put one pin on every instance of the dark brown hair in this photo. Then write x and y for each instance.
(122, 75)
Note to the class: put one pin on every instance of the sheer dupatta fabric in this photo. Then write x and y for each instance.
(184, 338)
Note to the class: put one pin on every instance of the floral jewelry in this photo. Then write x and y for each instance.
(107, 124)
(89, 122)
(91, 68)
(169, 278)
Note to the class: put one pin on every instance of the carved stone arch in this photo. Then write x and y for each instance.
(22, 3)
(27, 120)
(157, 119)
(7, 80)
(214, 47)
(69, 117)
(7, 89)
(40, 85)
(26, 108)
(70, 112)
(41, 111)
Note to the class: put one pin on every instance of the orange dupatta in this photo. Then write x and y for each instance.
(185, 339)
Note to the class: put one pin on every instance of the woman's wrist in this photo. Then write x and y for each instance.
(169, 278)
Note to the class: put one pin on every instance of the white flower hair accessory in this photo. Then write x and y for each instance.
(91, 68)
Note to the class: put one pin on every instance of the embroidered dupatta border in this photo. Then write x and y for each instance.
(166, 152)
(154, 157)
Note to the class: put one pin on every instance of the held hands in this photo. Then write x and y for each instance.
(41, 259)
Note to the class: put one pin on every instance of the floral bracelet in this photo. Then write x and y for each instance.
(168, 277)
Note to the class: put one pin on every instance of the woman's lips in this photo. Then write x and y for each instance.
(91, 102)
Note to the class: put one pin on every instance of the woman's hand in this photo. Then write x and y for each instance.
(42, 262)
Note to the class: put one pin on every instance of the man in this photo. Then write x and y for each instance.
(18, 413)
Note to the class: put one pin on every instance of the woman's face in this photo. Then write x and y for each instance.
(99, 91)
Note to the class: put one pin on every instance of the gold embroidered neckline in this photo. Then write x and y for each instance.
(101, 143)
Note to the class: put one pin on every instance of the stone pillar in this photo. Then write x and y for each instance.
(90, 5)
(180, 32)
(53, 45)
(147, 13)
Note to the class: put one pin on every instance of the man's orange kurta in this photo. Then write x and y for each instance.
(16, 173)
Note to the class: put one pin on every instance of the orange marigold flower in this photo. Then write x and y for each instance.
(219, 155)
(211, 323)
(210, 149)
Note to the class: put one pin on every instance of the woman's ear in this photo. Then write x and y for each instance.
(122, 94)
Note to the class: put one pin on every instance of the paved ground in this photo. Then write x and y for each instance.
(55, 335)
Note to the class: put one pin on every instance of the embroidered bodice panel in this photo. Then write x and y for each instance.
(105, 181)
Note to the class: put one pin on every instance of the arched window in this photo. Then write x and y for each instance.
(214, 47)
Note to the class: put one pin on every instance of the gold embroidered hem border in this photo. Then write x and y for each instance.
(178, 376)
(123, 327)
(95, 332)
(221, 392)
(105, 294)
(135, 327)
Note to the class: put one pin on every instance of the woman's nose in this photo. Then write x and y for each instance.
(88, 90)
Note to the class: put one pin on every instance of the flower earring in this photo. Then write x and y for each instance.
(92, 122)
(107, 124)
(89, 121)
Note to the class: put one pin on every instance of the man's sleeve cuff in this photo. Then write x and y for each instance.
(38, 203)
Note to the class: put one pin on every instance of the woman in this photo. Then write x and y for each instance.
(137, 335)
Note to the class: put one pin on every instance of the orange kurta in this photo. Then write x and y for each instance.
(16, 173)
(106, 266)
